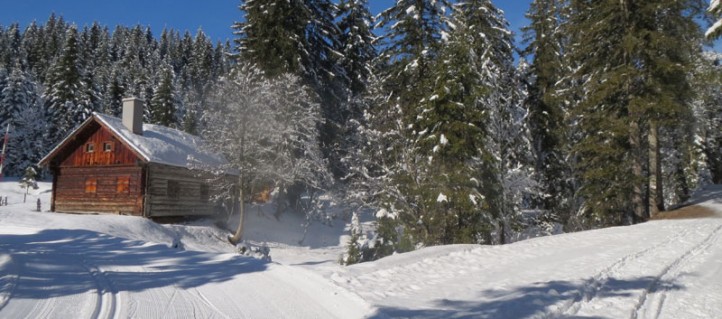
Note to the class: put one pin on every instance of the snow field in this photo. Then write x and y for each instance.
(623, 272)
(104, 266)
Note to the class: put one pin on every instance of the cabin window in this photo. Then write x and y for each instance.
(204, 193)
(90, 147)
(122, 185)
(108, 146)
(173, 189)
(91, 185)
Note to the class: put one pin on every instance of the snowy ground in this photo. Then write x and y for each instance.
(60, 266)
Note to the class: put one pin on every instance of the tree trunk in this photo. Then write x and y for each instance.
(236, 238)
(637, 179)
(502, 232)
(656, 195)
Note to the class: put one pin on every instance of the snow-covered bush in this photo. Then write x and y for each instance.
(262, 252)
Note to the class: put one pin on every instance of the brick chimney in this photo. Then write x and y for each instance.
(133, 115)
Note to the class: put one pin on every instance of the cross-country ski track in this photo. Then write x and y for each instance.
(100, 266)
(82, 274)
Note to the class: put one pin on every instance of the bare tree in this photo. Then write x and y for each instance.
(268, 131)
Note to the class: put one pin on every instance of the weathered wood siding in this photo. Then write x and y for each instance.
(77, 154)
(183, 198)
(107, 189)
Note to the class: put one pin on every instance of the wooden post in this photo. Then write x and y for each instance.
(38, 204)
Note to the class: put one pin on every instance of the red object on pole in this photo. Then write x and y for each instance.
(5, 146)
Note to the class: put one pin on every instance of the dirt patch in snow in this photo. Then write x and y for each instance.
(688, 212)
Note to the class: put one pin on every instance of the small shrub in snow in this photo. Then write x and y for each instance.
(262, 252)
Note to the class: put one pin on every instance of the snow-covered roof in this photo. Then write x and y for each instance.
(160, 144)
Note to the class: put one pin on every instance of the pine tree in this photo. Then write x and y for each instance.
(632, 57)
(356, 44)
(68, 102)
(21, 107)
(163, 105)
(28, 144)
(546, 119)
(298, 37)
(412, 38)
(15, 96)
(272, 36)
(715, 9)
(708, 112)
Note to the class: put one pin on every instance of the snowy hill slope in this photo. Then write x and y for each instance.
(59, 266)
(660, 269)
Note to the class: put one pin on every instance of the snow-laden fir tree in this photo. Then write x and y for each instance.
(271, 35)
(507, 138)
(29, 179)
(356, 44)
(547, 112)
(163, 106)
(10, 40)
(68, 98)
(412, 37)
(633, 59)
(455, 173)
(27, 143)
(715, 9)
(268, 131)
(15, 95)
(20, 106)
(299, 37)
(708, 114)
(374, 166)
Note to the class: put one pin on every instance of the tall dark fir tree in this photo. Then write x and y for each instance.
(547, 118)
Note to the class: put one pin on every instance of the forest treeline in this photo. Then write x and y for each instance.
(422, 114)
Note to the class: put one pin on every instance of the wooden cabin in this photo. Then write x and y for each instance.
(122, 166)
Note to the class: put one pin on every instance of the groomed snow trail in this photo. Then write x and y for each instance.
(660, 269)
(83, 274)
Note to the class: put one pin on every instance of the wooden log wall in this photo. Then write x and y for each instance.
(177, 191)
(107, 189)
(97, 137)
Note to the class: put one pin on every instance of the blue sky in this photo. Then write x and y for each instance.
(213, 16)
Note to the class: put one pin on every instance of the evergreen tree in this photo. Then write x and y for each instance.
(708, 112)
(299, 37)
(272, 35)
(412, 38)
(632, 58)
(67, 98)
(20, 106)
(163, 105)
(715, 9)
(16, 94)
(28, 144)
(33, 46)
(357, 44)
(546, 119)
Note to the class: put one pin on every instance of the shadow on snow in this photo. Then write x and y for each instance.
(56, 263)
(535, 300)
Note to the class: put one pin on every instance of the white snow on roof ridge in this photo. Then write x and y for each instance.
(165, 145)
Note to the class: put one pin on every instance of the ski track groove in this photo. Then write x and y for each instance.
(44, 307)
(591, 287)
(672, 271)
(13, 276)
(107, 304)
(202, 297)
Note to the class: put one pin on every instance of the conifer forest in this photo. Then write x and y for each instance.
(429, 115)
